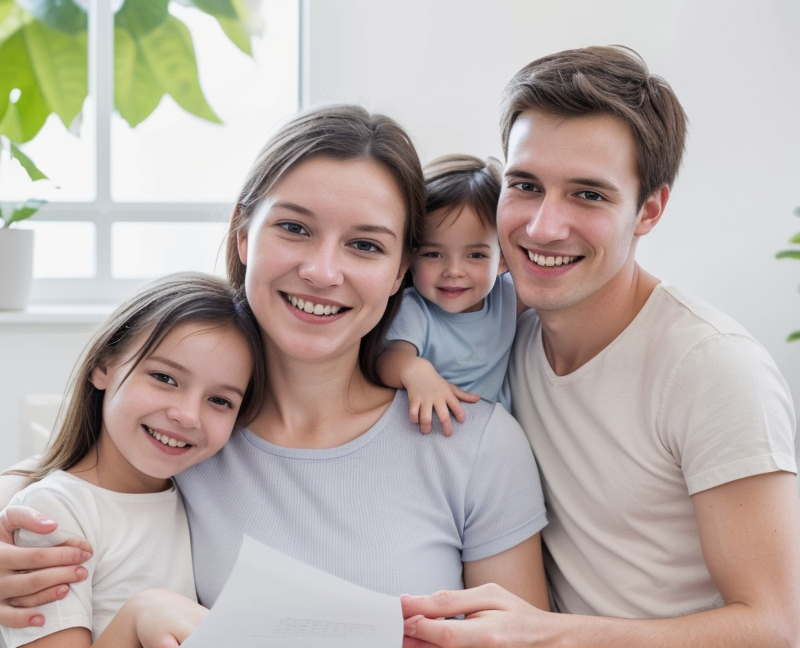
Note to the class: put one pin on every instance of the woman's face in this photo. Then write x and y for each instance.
(324, 252)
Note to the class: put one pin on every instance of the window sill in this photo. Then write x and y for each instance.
(58, 314)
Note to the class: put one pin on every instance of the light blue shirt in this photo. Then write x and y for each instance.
(470, 350)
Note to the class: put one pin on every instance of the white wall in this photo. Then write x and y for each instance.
(439, 67)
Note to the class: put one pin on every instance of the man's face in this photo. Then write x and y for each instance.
(567, 216)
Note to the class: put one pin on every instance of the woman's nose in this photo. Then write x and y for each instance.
(323, 268)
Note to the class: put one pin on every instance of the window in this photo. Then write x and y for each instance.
(134, 203)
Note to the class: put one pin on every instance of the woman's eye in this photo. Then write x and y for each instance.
(165, 378)
(224, 402)
(366, 246)
(591, 195)
(293, 228)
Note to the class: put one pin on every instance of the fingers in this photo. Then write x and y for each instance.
(12, 617)
(23, 517)
(450, 603)
(41, 586)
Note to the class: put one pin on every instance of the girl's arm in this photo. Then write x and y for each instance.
(154, 618)
(400, 367)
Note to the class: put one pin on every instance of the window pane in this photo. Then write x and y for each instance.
(144, 250)
(63, 250)
(174, 156)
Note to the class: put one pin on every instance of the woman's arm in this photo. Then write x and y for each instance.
(520, 570)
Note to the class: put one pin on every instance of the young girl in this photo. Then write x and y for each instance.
(160, 388)
(455, 327)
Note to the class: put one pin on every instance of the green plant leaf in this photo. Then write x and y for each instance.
(217, 8)
(237, 34)
(140, 17)
(136, 92)
(795, 238)
(34, 173)
(169, 54)
(60, 63)
(23, 119)
(793, 337)
(788, 254)
(6, 9)
(25, 210)
(62, 15)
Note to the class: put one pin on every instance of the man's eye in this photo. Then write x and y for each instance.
(165, 378)
(591, 195)
(526, 186)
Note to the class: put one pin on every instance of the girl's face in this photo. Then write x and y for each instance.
(176, 408)
(324, 252)
(457, 262)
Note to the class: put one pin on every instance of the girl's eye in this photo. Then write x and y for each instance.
(293, 228)
(431, 255)
(165, 378)
(224, 402)
(367, 246)
(591, 195)
(476, 255)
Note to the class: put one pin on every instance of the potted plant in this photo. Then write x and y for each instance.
(16, 245)
(792, 254)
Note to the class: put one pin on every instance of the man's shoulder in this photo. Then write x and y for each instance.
(678, 310)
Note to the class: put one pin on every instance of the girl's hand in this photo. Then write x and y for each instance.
(428, 392)
(154, 618)
(34, 576)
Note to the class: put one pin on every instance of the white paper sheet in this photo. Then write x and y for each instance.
(271, 599)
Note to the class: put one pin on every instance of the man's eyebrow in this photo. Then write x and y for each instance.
(597, 183)
(179, 367)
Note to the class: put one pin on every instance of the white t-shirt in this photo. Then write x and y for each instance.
(682, 401)
(139, 541)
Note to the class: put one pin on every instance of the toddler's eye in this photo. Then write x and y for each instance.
(224, 402)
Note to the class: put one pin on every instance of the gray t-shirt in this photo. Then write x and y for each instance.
(469, 350)
(394, 510)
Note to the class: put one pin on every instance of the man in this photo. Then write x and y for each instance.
(663, 430)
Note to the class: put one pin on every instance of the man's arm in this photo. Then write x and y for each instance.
(750, 535)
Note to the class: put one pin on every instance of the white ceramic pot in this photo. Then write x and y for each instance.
(16, 267)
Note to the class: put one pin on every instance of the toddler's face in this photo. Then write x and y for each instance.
(457, 263)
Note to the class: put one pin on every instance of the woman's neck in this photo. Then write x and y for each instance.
(317, 404)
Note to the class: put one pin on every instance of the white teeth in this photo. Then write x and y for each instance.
(163, 438)
(310, 307)
(550, 261)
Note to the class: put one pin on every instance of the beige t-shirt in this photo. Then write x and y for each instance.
(682, 401)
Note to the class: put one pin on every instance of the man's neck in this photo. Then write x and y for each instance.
(574, 336)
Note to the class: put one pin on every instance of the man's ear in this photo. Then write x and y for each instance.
(652, 210)
(99, 378)
(502, 267)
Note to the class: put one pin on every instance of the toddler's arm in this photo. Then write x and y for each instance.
(399, 366)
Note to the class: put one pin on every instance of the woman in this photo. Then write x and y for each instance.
(331, 471)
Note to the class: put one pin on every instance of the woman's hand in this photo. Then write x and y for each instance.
(34, 576)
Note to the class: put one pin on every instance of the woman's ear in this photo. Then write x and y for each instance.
(99, 378)
(241, 245)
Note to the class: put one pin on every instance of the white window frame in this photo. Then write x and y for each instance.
(103, 287)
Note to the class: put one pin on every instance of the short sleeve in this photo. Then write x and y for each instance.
(75, 609)
(730, 414)
(505, 504)
(411, 322)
